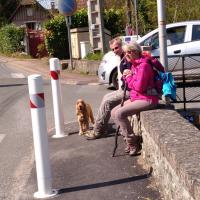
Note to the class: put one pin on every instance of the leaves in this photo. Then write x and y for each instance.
(11, 37)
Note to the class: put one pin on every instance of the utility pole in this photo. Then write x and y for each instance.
(128, 6)
(135, 4)
(162, 32)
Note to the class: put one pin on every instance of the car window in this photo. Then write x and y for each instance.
(175, 35)
(196, 32)
(152, 41)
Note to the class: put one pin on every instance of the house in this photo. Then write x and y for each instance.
(30, 14)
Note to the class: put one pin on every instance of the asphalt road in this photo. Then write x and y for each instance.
(16, 143)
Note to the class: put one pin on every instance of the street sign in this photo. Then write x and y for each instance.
(67, 7)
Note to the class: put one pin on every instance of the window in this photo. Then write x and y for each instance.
(196, 32)
(29, 12)
(175, 35)
(30, 25)
(152, 41)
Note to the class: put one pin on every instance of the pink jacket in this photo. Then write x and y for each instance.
(141, 80)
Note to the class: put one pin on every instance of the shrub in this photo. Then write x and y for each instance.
(56, 38)
(114, 20)
(11, 37)
(94, 56)
(80, 19)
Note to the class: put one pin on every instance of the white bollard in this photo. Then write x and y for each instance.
(57, 99)
(38, 115)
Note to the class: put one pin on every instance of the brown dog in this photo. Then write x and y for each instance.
(84, 115)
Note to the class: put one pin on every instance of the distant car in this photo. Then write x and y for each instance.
(107, 71)
(182, 38)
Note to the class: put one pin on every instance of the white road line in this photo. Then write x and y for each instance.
(2, 136)
(17, 75)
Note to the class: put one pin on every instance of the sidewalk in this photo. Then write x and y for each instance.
(85, 170)
(41, 66)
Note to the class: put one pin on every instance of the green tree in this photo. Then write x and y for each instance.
(7, 7)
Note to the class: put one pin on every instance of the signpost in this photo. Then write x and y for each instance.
(67, 8)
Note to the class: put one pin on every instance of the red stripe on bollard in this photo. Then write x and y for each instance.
(32, 105)
(55, 74)
(37, 100)
(41, 95)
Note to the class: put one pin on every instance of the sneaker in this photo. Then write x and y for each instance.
(92, 135)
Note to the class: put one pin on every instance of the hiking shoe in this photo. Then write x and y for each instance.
(92, 135)
(127, 149)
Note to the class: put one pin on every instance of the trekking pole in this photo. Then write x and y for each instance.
(117, 131)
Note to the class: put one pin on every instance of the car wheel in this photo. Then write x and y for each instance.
(115, 80)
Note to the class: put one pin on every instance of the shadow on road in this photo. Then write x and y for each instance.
(105, 184)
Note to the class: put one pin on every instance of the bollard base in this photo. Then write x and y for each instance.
(39, 195)
(59, 136)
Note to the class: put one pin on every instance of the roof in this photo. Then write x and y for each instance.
(27, 2)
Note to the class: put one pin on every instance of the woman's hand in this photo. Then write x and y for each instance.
(127, 72)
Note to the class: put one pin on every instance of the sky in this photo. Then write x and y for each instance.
(46, 3)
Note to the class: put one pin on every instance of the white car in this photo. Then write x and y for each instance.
(182, 38)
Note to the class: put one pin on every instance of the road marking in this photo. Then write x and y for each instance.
(17, 75)
(2, 136)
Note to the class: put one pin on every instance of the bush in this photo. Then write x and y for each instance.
(114, 21)
(94, 56)
(80, 19)
(11, 37)
(56, 38)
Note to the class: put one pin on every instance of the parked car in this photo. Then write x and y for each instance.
(182, 38)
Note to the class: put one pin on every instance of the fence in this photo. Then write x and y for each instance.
(186, 72)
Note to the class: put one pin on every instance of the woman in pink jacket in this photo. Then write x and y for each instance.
(143, 95)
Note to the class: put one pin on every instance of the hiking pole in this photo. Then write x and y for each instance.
(117, 131)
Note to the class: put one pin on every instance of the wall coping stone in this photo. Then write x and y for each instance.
(179, 142)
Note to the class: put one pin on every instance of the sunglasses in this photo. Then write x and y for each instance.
(129, 52)
(115, 48)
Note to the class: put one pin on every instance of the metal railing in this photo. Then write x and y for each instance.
(186, 72)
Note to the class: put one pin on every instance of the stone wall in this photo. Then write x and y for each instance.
(171, 146)
(83, 66)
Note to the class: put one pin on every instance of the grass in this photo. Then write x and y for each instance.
(94, 56)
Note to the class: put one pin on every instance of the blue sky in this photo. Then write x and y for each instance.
(46, 3)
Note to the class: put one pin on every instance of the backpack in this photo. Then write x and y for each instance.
(157, 68)
(169, 86)
(164, 81)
